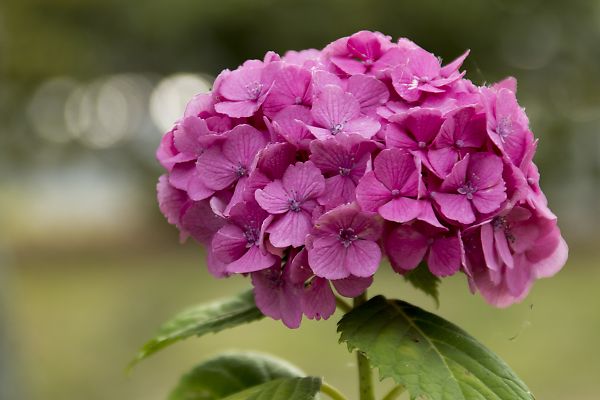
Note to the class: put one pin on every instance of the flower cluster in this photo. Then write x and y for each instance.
(304, 170)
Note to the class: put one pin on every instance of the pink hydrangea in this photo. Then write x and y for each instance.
(304, 171)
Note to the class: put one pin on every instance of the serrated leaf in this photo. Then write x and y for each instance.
(282, 389)
(422, 279)
(203, 319)
(229, 374)
(430, 356)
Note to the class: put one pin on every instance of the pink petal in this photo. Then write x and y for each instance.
(333, 106)
(485, 169)
(442, 160)
(457, 176)
(242, 144)
(327, 258)
(318, 300)
(369, 91)
(229, 243)
(171, 201)
(273, 198)
(237, 109)
(455, 207)
(349, 65)
(453, 66)
(216, 171)
(444, 256)
(304, 179)
(490, 199)
(290, 229)
(405, 248)
(253, 260)
(396, 169)
(365, 127)
(492, 258)
(352, 286)
(362, 258)
(200, 222)
(371, 193)
(401, 209)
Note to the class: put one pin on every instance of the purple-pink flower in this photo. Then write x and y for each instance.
(303, 171)
(344, 243)
(291, 201)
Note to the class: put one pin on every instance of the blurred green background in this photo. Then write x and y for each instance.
(88, 266)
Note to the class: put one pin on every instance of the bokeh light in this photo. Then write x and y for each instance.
(171, 95)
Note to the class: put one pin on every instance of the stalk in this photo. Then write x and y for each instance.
(365, 373)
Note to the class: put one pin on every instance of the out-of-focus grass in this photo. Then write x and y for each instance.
(76, 321)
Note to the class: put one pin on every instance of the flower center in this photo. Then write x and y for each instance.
(241, 171)
(459, 143)
(294, 205)
(503, 224)
(347, 236)
(298, 100)
(395, 192)
(422, 145)
(251, 234)
(345, 171)
(254, 89)
(468, 189)
(337, 128)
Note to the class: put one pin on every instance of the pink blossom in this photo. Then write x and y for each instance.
(473, 188)
(408, 245)
(392, 188)
(238, 244)
(292, 86)
(358, 53)
(291, 200)
(344, 243)
(337, 112)
(343, 160)
(462, 132)
(421, 72)
(226, 163)
(516, 248)
(241, 93)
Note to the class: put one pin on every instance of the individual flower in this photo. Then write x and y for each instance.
(507, 124)
(343, 160)
(292, 200)
(420, 72)
(461, 133)
(344, 243)
(516, 248)
(358, 53)
(473, 188)
(242, 92)
(337, 112)
(392, 189)
(238, 244)
(408, 245)
(226, 163)
(414, 131)
(292, 86)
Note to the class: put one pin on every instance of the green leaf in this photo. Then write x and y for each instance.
(203, 319)
(239, 374)
(282, 389)
(421, 278)
(430, 356)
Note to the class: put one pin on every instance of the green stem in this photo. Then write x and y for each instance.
(332, 392)
(365, 373)
(342, 305)
(394, 393)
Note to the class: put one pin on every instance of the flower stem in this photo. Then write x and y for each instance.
(332, 392)
(365, 373)
(394, 393)
(342, 305)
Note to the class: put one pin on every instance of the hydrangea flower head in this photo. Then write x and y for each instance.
(303, 171)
